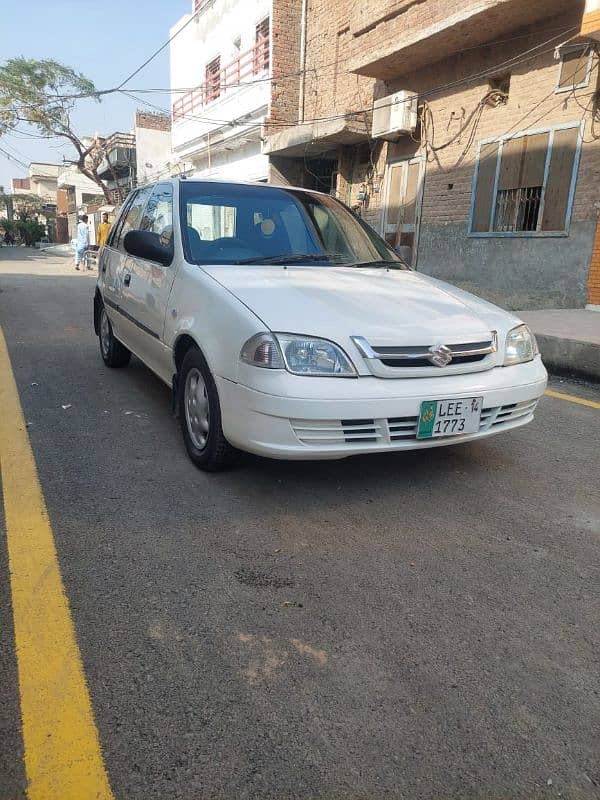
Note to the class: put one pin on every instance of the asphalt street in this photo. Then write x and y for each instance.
(417, 625)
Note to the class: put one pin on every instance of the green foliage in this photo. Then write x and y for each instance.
(26, 206)
(41, 93)
(31, 231)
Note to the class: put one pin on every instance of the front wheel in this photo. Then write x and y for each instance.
(200, 415)
(113, 353)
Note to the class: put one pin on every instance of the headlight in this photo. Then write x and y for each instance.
(520, 346)
(300, 355)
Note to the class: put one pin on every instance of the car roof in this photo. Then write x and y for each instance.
(220, 182)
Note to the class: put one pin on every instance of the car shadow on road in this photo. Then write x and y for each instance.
(410, 467)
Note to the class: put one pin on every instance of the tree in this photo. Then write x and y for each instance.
(43, 94)
(30, 231)
(26, 206)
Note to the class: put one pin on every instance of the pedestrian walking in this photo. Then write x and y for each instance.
(83, 239)
(103, 230)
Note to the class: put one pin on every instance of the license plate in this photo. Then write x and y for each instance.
(449, 417)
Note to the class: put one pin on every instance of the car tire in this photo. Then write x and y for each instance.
(113, 353)
(200, 415)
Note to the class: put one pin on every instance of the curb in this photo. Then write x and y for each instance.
(570, 356)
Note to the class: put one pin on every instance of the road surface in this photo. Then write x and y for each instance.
(418, 625)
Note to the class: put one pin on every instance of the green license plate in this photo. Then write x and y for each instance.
(449, 417)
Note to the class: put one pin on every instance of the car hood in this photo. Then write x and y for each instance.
(386, 307)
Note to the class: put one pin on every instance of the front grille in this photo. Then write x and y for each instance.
(395, 429)
(390, 361)
(417, 355)
(347, 431)
(425, 362)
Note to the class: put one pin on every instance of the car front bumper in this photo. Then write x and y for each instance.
(329, 418)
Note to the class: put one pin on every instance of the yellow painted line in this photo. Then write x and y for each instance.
(63, 759)
(571, 398)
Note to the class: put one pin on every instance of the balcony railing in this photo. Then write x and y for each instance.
(200, 5)
(247, 64)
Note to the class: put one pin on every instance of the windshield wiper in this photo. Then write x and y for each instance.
(290, 258)
(381, 263)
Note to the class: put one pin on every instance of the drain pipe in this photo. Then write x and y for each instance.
(303, 28)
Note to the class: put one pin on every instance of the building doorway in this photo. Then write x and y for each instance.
(403, 200)
(320, 174)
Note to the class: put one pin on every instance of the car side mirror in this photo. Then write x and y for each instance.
(149, 245)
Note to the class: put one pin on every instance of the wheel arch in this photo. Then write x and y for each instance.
(182, 344)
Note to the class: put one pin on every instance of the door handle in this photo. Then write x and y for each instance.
(127, 279)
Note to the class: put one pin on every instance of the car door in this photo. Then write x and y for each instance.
(108, 266)
(147, 285)
(113, 266)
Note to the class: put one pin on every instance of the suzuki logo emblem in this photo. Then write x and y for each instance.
(440, 355)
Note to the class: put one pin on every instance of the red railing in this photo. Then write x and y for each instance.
(199, 4)
(247, 64)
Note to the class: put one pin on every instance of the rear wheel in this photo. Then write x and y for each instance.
(113, 353)
(200, 415)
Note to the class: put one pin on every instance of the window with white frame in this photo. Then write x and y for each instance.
(523, 184)
(574, 68)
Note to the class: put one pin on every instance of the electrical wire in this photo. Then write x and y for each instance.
(7, 155)
(157, 52)
(513, 61)
(298, 73)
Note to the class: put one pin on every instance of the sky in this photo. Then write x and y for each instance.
(106, 41)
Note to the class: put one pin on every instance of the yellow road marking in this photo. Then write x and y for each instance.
(63, 759)
(572, 398)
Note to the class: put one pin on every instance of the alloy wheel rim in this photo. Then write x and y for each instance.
(197, 410)
(104, 333)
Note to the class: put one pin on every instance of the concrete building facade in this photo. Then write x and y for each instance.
(153, 146)
(220, 69)
(467, 134)
(74, 193)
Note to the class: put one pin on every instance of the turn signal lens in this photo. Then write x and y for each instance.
(262, 351)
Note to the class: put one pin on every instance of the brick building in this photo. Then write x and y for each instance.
(466, 133)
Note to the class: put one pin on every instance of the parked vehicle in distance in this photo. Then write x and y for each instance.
(288, 328)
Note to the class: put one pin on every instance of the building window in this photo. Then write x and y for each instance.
(524, 184)
(261, 47)
(213, 79)
(574, 68)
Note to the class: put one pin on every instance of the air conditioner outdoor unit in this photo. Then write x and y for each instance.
(395, 116)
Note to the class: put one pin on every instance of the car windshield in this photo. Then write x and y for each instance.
(258, 224)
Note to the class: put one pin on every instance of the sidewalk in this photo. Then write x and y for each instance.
(31, 261)
(569, 339)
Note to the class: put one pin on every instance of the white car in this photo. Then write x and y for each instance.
(288, 328)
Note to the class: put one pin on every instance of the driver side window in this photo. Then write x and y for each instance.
(158, 216)
(132, 219)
